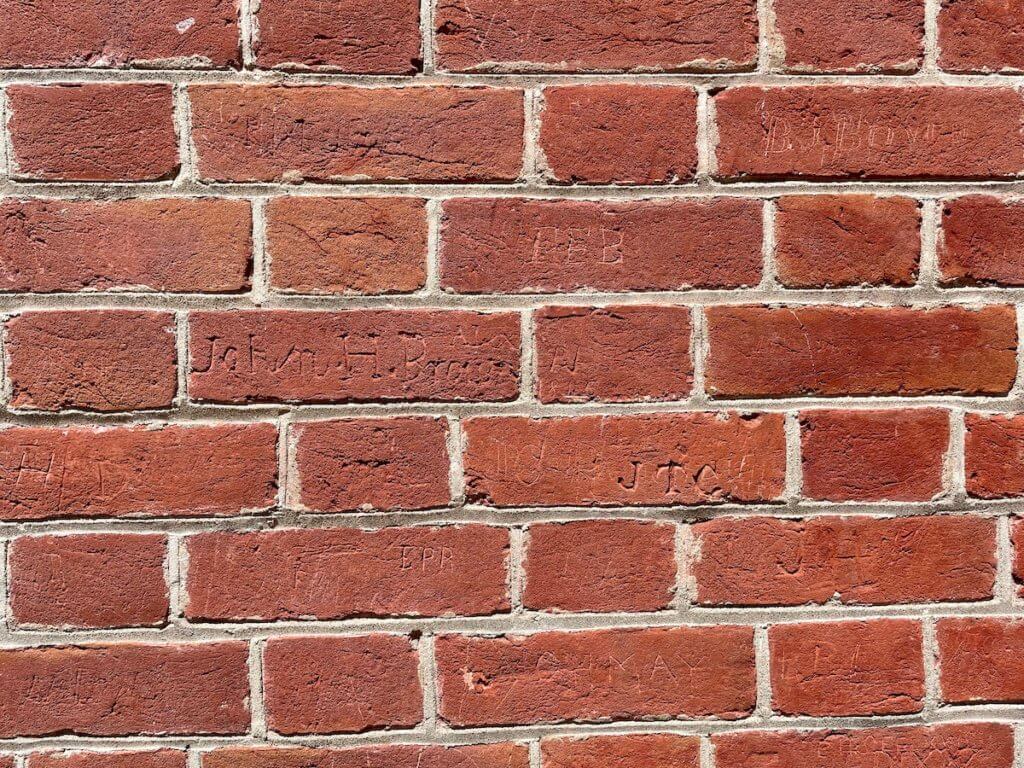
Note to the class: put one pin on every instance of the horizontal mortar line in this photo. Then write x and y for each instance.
(525, 623)
(198, 414)
(923, 188)
(882, 297)
(522, 733)
(449, 516)
(537, 77)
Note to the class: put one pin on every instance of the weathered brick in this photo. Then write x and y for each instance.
(636, 751)
(357, 355)
(99, 33)
(591, 35)
(844, 132)
(96, 360)
(851, 35)
(759, 351)
(96, 580)
(980, 240)
(341, 684)
(172, 470)
(341, 133)
(619, 134)
(856, 560)
(347, 245)
(499, 755)
(344, 35)
(847, 668)
(955, 745)
(160, 758)
(980, 660)
(516, 245)
(178, 245)
(981, 35)
(994, 455)
(124, 689)
(600, 566)
(874, 455)
(340, 573)
(399, 463)
(594, 353)
(92, 132)
(824, 241)
(692, 458)
(592, 676)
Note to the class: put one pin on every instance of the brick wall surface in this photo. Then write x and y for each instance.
(512, 384)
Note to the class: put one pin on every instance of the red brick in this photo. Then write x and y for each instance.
(341, 684)
(979, 241)
(847, 668)
(759, 351)
(637, 751)
(343, 35)
(94, 33)
(591, 35)
(121, 471)
(161, 758)
(593, 676)
(399, 463)
(837, 132)
(515, 245)
(500, 755)
(690, 458)
(981, 35)
(99, 580)
(874, 455)
(600, 566)
(92, 132)
(827, 241)
(855, 560)
(345, 572)
(97, 360)
(199, 246)
(956, 745)
(851, 35)
(347, 245)
(358, 355)
(980, 660)
(619, 134)
(329, 133)
(594, 353)
(124, 689)
(994, 455)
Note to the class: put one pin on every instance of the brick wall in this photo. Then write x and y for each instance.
(512, 384)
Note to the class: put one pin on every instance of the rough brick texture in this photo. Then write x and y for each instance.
(588, 676)
(95, 580)
(974, 745)
(585, 129)
(341, 684)
(647, 460)
(762, 561)
(847, 668)
(175, 245)
(824, 241)
(92, 132)
(600, 566)
(116, 360)
(575, 344)
(511, 384)
(345, 572)
(343, 245)
(873, 455)
(533, 246)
